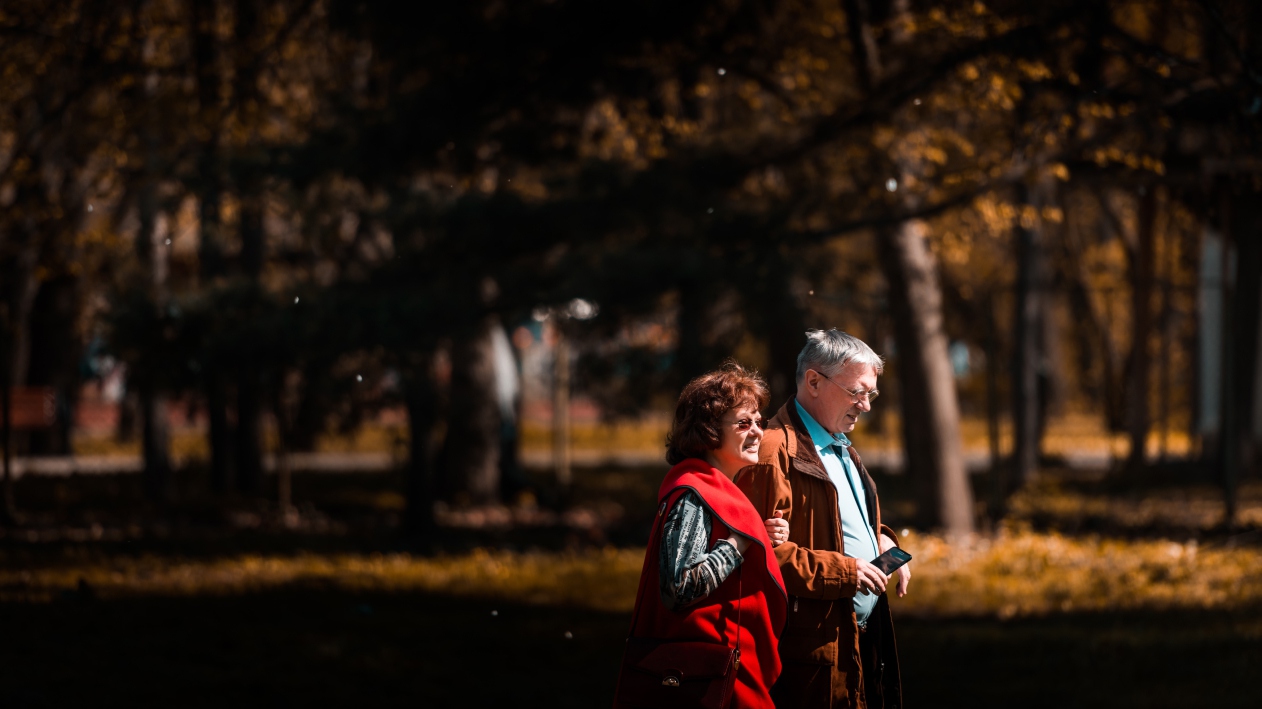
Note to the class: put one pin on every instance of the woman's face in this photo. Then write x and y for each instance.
(742, 434)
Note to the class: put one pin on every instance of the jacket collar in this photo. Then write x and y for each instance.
(800, 447)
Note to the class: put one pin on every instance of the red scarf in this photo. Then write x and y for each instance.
(763, 602)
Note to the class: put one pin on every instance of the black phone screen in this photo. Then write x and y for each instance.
(889, 562)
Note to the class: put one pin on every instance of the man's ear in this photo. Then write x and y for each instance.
(812, 382)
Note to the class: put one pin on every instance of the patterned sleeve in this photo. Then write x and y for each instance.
(688, 572)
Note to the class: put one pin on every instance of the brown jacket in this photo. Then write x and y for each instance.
(820, 645)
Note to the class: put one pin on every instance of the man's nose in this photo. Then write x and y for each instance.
(864, 404)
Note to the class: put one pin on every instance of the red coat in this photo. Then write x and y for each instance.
(763, 602)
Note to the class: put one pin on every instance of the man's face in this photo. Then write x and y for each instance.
(828, 401)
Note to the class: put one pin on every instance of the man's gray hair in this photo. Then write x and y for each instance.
(829, 351)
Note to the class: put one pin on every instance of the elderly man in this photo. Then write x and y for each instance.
(838, 644)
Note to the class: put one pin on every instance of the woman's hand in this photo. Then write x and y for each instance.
(741, 543)
(777, 528)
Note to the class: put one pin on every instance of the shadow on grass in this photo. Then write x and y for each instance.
(327, 647)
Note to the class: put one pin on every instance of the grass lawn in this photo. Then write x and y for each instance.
(1088, 597)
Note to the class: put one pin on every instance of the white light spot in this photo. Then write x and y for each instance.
(891, 184)
(89, 208)
(167, 242)
(811, 292)
(569, 635)
(722, 71)
(295, 300)
(905, 532)
(917, 102)
(494, 613)
(580, 309)
(359, 377)
(710, 210)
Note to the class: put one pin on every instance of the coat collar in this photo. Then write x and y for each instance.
(800, 447)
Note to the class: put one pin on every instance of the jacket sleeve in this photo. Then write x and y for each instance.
(808, 573)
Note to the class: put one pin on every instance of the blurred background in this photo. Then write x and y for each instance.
(338, 339)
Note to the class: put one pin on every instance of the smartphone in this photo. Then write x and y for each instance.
(889, 562)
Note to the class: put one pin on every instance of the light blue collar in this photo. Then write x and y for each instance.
(819, 435)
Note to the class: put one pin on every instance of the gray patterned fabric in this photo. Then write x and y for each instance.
(688, 572)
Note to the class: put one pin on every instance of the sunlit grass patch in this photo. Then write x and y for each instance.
(1194, 508)
(1024, 573)
(601, 579)
(1011, 574)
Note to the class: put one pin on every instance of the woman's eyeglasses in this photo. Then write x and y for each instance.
(744, 425)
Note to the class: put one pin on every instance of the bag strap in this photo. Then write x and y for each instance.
(740, 595)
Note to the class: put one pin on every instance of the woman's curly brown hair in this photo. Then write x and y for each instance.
(697, 428)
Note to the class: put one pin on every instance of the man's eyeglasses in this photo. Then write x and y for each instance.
(744, 425)
(858, 395)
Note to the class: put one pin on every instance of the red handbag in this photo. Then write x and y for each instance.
(678, 674)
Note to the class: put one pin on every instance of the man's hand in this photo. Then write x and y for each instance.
(777, 528)
(903, 572)
(871, 579)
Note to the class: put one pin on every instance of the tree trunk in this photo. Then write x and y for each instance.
(155, 443)
(210, 181)
(1027, 323)
(1240, 345)
(284, 402)
(24, 290)
(422, 397)
(513, 479)
(786, 330)
(997, 470)
(561, 411)
(54, 336)
(8, 506)
(932, 432)
(689, 324)
(249, 438)
(210, 228)
(473, 442)
(250, 195)
(155, 428)
(1096, 333)
(931, 423)
(1166, 327)
(220, 433)
(1138, 364)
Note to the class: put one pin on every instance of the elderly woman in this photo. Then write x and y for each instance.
(711, 602)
